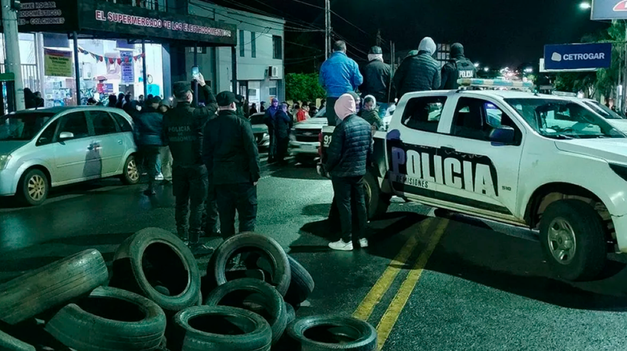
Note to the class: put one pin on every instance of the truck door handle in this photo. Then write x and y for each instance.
(447, 149)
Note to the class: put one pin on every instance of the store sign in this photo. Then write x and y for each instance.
(109, 17)
(608, 9)
(58, 63)
(577, 56)
(46, 15)
(127, 68)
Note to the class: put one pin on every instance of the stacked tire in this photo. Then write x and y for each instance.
(153, 301)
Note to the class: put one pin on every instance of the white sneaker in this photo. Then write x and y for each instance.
(341, 245)
(159, 177)
(363, 243)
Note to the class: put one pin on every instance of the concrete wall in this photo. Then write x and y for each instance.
(251, 69)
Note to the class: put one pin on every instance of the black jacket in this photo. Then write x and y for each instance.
(459, 67)
(350, 149)
(230, 150)
(183, 128)
(282, 124)
(377, 80)
(417, 73)
(149, 127)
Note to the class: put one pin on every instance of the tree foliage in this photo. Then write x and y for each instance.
(303, 87)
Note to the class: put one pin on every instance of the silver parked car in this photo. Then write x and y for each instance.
(260, 129)
(49, 147)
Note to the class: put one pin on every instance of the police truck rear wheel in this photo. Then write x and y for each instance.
(377, 202)
(573, 240)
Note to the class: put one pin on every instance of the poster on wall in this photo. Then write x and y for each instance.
(58, 63)
(127, 66)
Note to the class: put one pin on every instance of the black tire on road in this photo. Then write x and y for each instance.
(219, 328)
(51, 286)
(33, 188)
(377, 202)
(109, 319)
(322, 333)
(301, 284)
(290, 313)
(130, 173)
(583, 258)
(9, 343)
(153, 262)
(265, 246)
(238, 293)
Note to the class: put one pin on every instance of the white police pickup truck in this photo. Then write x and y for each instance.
(539, 161)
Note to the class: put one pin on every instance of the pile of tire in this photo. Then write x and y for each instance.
(153, 301)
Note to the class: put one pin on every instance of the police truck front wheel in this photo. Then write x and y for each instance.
(377, 202)
(573, 240)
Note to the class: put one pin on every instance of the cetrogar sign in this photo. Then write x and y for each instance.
(577, 56)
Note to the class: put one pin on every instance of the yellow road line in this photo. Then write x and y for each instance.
(400, 300)
(367, 305)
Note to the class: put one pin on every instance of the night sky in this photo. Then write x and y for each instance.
(494, 32)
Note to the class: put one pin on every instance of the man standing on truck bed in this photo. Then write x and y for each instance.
(419, 72)
(377, 80)
(351, 146)
(339, 74)
(458, 67)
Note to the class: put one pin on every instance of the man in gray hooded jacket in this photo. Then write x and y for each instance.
(419, 72)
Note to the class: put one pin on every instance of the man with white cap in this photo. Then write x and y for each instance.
(419, 72)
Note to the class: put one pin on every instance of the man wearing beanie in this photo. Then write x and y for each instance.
(230, 153)
(377, 80)
(419, 72)
(183, 127)
(458, 67)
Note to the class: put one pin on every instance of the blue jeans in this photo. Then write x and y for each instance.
(158, 165)
(383, 108)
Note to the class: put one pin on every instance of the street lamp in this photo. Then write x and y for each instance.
(585, 6)
(486, 69)
(477, 65)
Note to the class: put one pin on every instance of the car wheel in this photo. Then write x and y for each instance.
(33, 188)
(51, 286)
(377, 202)
(158, 265)
(109, 319)
(219, 328)
(130, 175)
(573, 240)
(333, 333)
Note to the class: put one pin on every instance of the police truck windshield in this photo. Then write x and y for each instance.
(563, 119)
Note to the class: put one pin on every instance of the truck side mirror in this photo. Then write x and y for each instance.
(503, 135)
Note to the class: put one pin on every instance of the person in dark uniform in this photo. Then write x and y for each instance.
(232, 159)
(282, 125)
(183, 132)
(458, 67)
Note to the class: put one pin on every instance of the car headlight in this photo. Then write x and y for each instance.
(4, 160)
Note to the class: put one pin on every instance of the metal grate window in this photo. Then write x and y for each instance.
(253, 44)
(242, 44)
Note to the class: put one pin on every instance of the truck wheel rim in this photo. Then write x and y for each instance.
(562, 241)
(36, 187)
(131, 170)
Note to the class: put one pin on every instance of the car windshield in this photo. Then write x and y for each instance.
(23, 126)
(257, 118)
(603, 110)
(555, 118)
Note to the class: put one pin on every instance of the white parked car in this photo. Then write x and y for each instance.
(540, 161)
(260, 129)
(610, 116)
(44, 148)
(305, 137)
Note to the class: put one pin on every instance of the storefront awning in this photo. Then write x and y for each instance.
(99, 18)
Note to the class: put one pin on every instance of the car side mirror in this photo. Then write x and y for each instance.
(503, 135)
(66, 135)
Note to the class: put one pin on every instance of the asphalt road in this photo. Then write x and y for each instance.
(426, 283)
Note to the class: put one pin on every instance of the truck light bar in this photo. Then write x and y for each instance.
(493, 83)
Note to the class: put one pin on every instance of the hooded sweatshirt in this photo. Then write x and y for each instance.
(420, 72)
(458, 67)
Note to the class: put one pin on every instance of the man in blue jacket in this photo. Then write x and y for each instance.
(148, 136)
(339, 75)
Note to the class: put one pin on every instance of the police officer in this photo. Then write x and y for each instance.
(232, 159)
(183, 128)
(458, 67)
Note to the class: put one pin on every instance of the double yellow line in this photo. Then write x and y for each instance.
(369, 303)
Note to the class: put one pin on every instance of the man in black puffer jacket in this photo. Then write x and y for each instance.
(458, 67)
(348, 154)
(419, 72)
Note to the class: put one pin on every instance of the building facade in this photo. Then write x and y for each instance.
(259, 53)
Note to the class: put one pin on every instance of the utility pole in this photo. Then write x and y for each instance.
(327, 28)
(12, 62)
